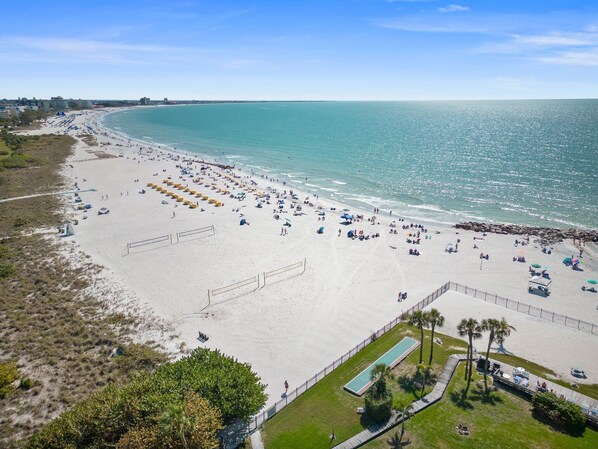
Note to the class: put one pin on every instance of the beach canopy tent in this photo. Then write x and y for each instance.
(540, 283)
(536, 265)
(347, 216)
(592, 281)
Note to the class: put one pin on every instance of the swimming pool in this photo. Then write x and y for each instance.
(360, 383)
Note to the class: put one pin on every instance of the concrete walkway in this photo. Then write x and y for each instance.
(69, 192)
(256, 440)
(434, 396)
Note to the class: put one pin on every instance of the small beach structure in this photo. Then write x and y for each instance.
(539, 285)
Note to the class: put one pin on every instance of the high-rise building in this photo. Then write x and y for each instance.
(145, 101)
(59, 103)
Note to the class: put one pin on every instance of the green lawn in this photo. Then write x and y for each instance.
(308, 422)
(505, 423)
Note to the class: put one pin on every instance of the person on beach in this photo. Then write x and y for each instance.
(286, 387)
(173, 214)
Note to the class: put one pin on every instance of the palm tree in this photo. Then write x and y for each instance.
(425, 372)
(420, 319)
(380, 373)
(434, 319)
(407, 412)
(503, 331)
(471, 328)
(489, 325)
(175, 422)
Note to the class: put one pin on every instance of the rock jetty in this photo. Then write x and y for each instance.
(546, 235)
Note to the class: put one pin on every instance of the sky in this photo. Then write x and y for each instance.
(299, 50)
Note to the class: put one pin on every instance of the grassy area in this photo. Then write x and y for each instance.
(308, 422)
(590, 390)
(503, 422)
(50, 325)
(4, 149)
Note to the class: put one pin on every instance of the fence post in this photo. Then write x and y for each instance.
(553, 317)
(304, 264)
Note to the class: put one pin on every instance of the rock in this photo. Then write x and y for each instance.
(546, 235)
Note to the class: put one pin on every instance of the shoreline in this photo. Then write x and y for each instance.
(297, 324)
(429, 211)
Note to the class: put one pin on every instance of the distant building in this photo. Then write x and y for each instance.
(45, 105)
(5, 113)
(145, 101)
(59, 103)
(83, 104)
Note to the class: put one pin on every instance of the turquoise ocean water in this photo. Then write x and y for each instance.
(524, 162)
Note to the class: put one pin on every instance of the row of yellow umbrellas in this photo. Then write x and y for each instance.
(179, 198)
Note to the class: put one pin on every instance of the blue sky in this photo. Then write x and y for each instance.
(297, 50)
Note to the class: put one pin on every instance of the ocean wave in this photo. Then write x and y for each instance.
(339, 182)
(429, 207)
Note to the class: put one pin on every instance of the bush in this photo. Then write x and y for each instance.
(16, 160)
(561, 413)
(8, 374)
(26, 384)
(6, 270)
(201, 392)
(140, 357)
(379, 409)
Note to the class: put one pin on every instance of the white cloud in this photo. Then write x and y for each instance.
(453, 8)
(583, 58)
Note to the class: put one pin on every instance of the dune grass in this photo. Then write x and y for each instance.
(56, 331)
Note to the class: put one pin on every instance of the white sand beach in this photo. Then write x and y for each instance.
(298, 323)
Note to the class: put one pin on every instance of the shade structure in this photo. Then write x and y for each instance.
(536, 265)
(592, 281)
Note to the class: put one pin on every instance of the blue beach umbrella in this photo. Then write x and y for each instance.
(592, 281)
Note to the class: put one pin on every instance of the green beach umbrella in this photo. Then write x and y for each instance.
(592, 281)
(536, 265)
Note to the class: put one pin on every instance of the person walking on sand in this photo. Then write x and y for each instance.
(173, 214)
(286, 387)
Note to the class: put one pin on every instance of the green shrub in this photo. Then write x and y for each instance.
(8, 374)
(379, 409)
(136, 357)
(26, 384)
(16, 160)
(561, 413)
(222, 388)
(6, 270)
